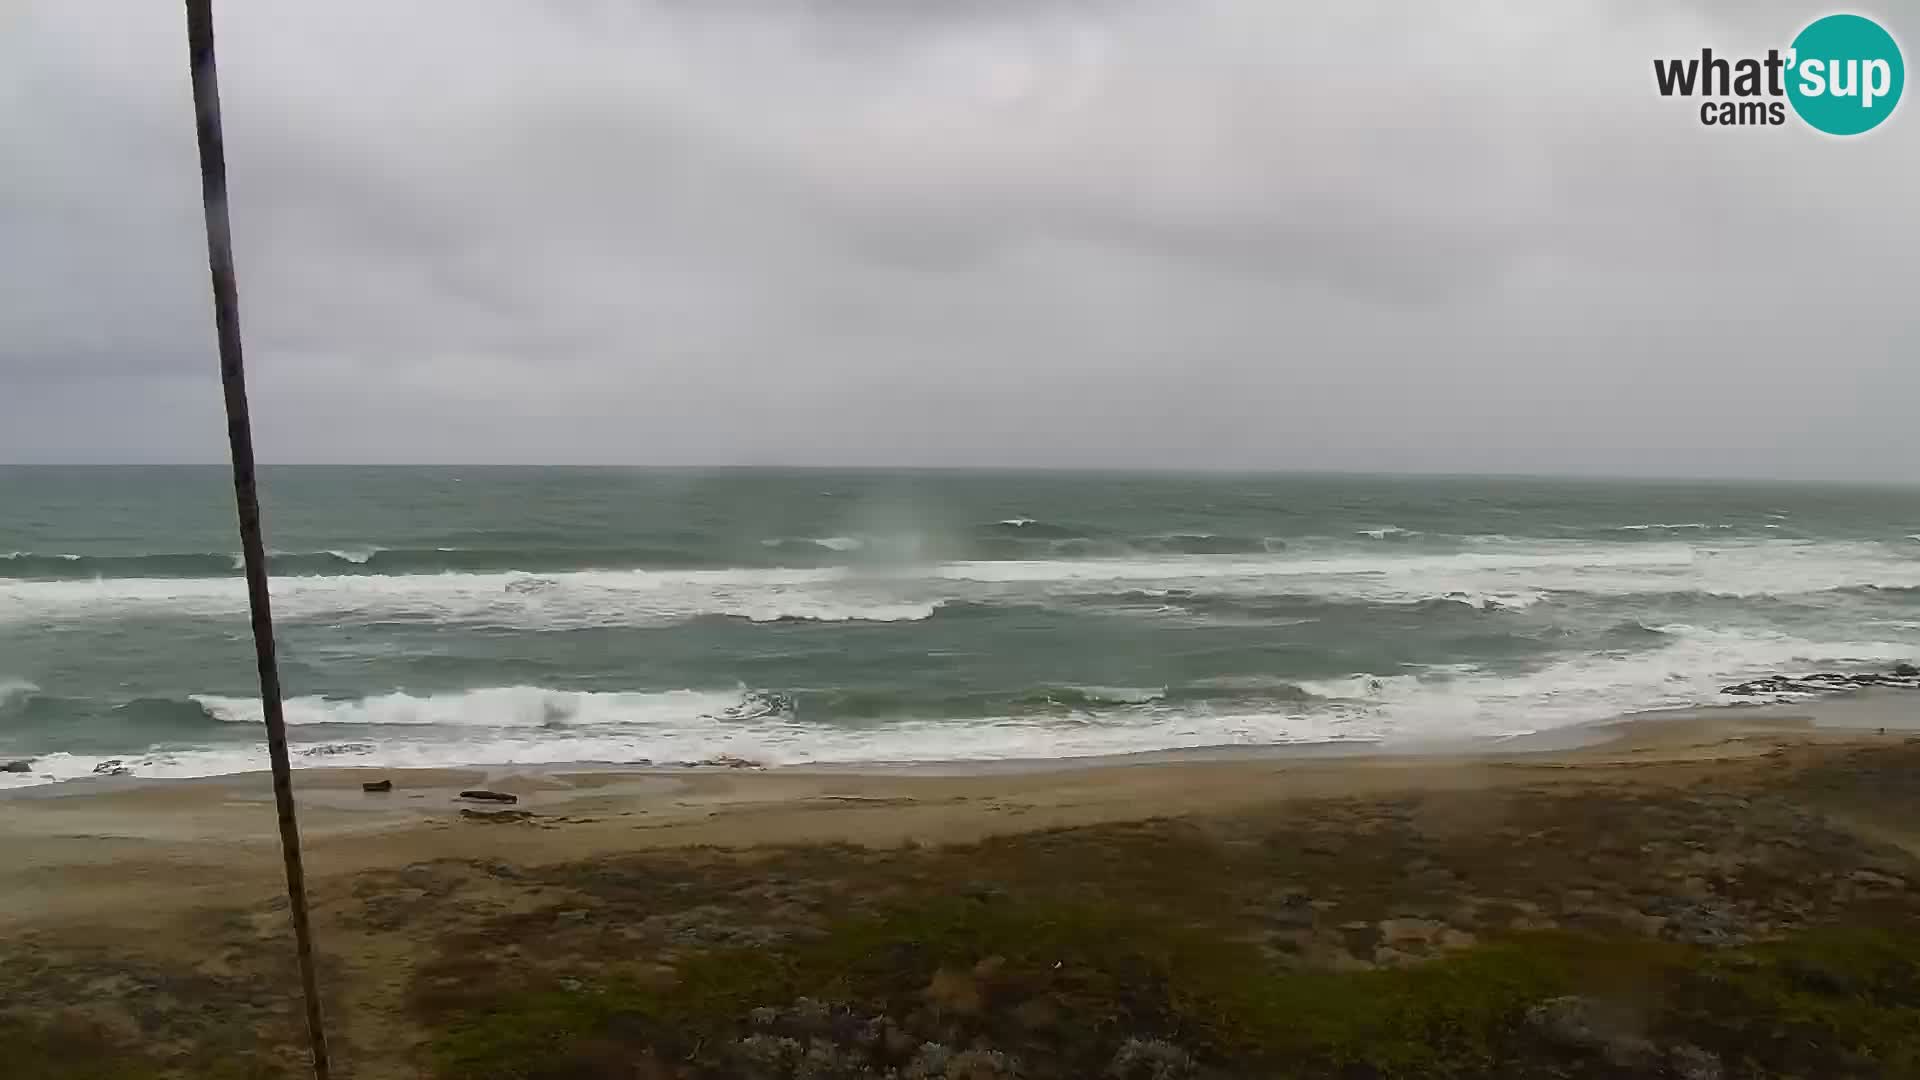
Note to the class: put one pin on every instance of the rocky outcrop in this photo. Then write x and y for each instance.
(17, 766)
(1902, 677)
(1151, 1059)
(810, 1039)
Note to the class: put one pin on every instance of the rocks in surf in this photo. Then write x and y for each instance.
(1903, 677)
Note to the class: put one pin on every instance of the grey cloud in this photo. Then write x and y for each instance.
(1219, 232)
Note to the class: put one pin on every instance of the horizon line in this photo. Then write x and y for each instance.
(1164, 470)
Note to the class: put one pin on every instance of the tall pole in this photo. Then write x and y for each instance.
(233, 379)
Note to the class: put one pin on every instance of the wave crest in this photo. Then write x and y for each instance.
(499, 707)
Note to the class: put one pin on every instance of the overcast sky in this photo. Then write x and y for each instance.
(1182, 233)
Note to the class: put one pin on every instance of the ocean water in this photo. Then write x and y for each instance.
(524, 615)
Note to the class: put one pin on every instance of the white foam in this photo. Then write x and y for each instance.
(1516, 574)
(1519, 572)
(1690, 669)
(765, 740)
(9, 687)
(358, 556)
(831, 543)
(534, 725)
(1672, 526)
(1489, 601)
(1017, 522)
(513, 599)
(1282, 566)
(1121, 695)
(499, 706)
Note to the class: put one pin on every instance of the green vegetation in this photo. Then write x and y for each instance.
(1060, 990)
(73, 1051)
(1706, 932)
(1831, 1002)
(64, 1052)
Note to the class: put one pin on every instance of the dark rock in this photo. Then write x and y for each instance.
(110, 767)
(489, 796)
(769, 1056)
(1904, 676)
(930, 1061)
(1592, 1025)
(1873, 879)
(377, 785)
(1706, 922)
(1689, 1062)
(1151, 1059)
(809, 1016)
(1290, 918)
(936, 1060)
(893, 1039)
(17, 766)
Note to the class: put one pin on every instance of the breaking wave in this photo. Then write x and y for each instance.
(1679, 665)
(1515, 577)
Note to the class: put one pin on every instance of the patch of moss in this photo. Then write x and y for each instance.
(66, 1052)
(62, 1050)
(1111, 975)
(1102, 970)
(1824, 1003)
(1828, 1002)
(1459, 1016)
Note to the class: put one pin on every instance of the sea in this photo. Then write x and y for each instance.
(485, 615)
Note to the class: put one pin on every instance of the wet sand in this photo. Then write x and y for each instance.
(129, 849)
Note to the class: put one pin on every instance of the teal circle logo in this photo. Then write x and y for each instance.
(1845, 74)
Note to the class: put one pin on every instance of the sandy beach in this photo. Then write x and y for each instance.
(150, 913)
(214, 839)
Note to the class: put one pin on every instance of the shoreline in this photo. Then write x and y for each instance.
(1677, 834)
(980, 796)
(69, 852)
(1858, 710)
